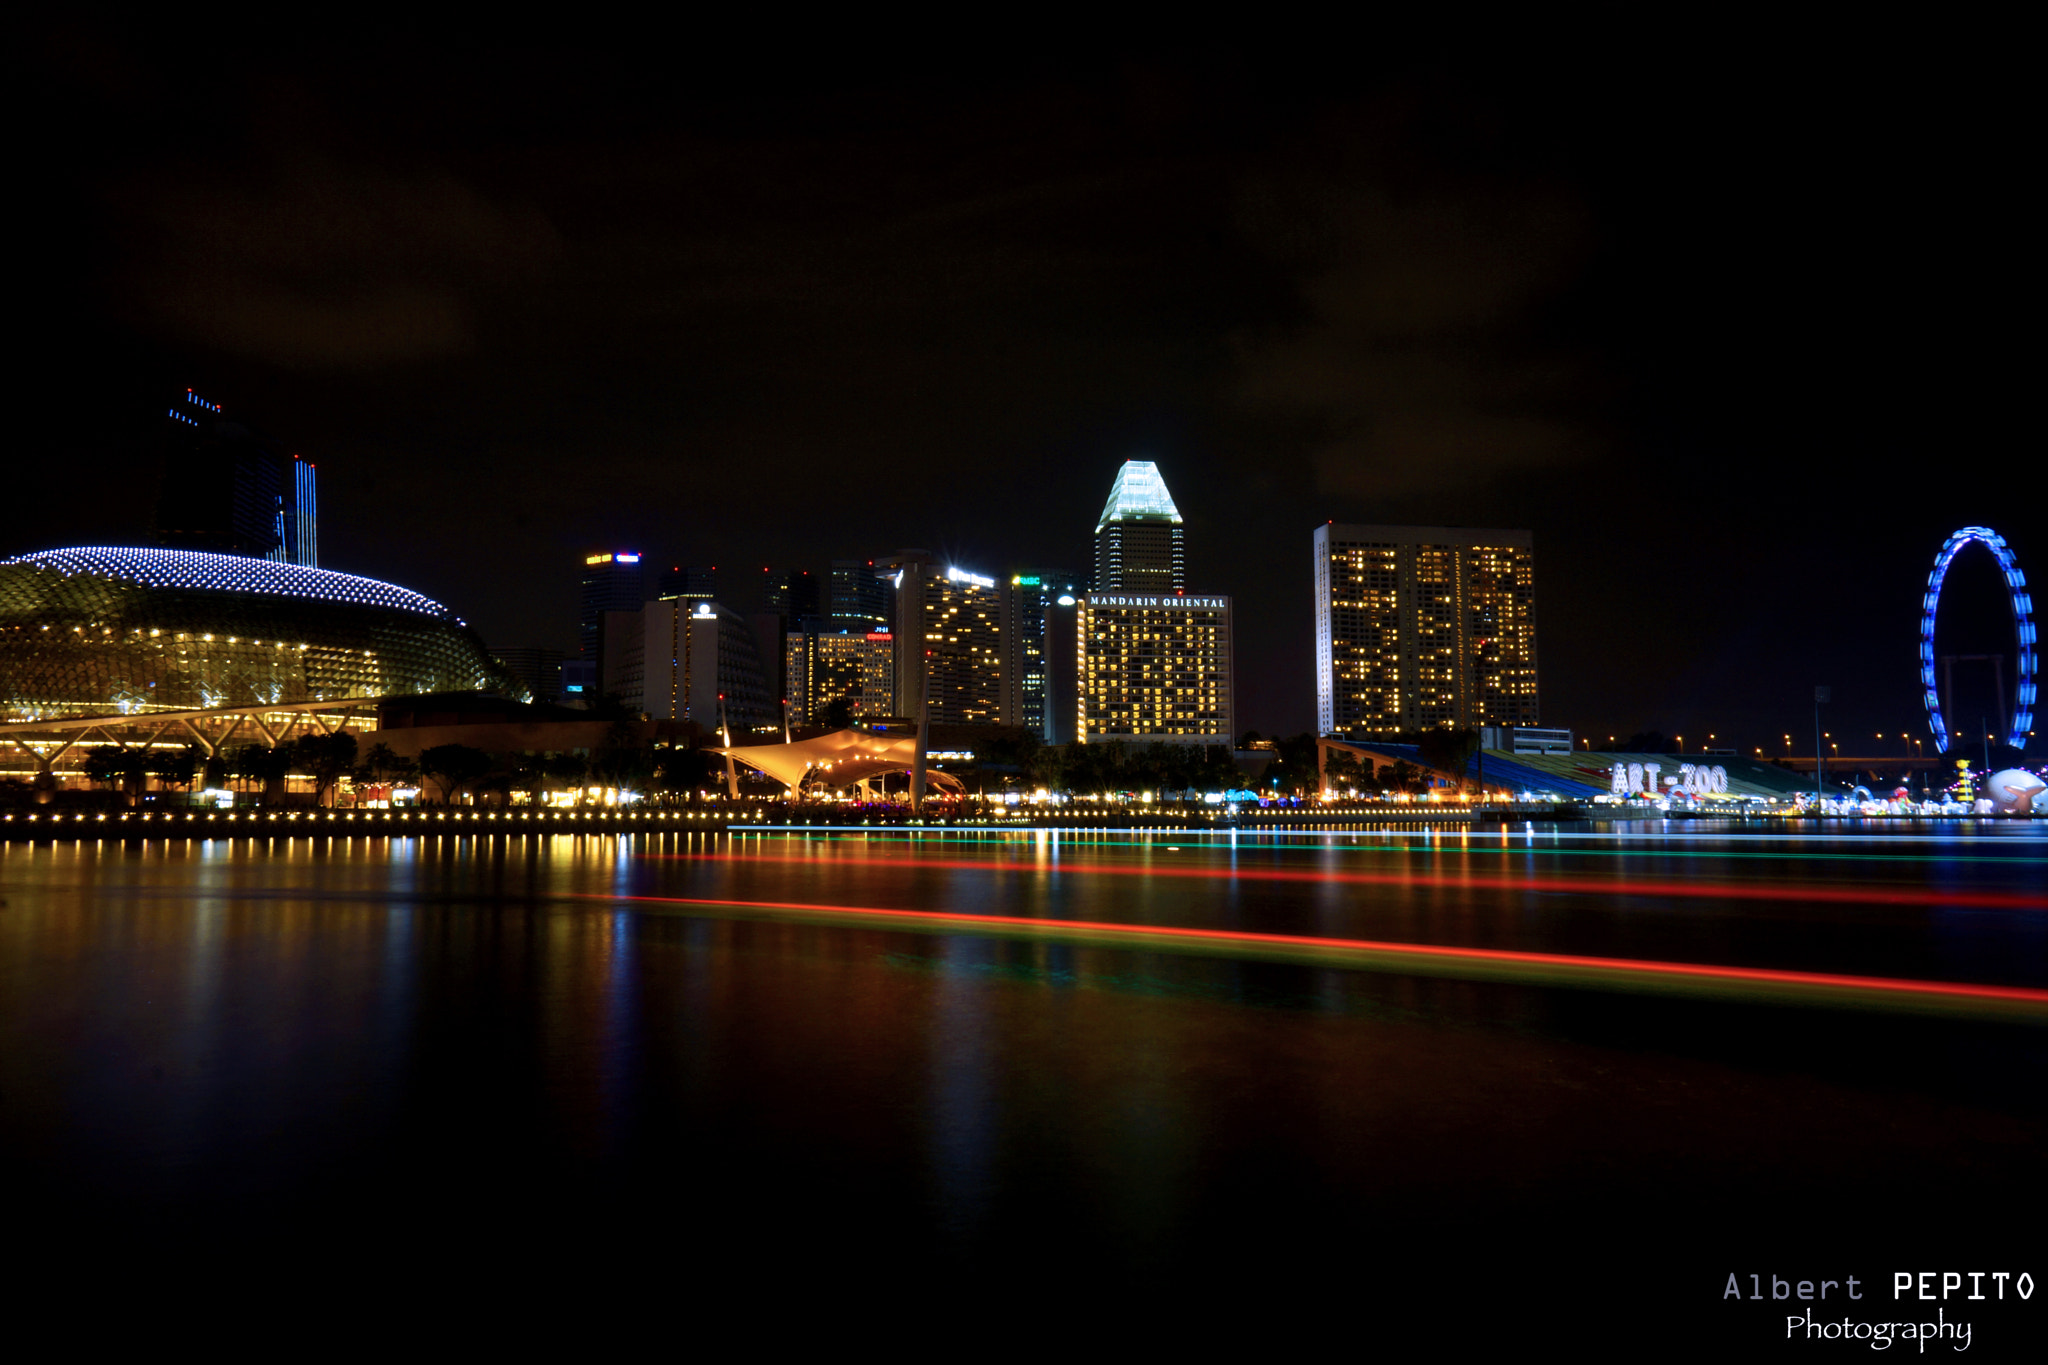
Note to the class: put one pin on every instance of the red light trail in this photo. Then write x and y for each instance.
(1422, 958)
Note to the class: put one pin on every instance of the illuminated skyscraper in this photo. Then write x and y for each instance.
(1423, 626)
(1033, 597)
(230, 489)
(1155, 667)
(1138, 540)
(857, 667)
(613, 580)
(950, 627)
(859, 597)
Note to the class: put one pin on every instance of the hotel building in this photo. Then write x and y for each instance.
(1423, 626)
(679, 656)
(858, 667)
(1154, 667)
(950, 631)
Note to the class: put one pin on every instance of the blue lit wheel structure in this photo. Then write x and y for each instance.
(2023, 619)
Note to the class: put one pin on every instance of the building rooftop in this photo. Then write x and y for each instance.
(230, 573)
(1139, 491)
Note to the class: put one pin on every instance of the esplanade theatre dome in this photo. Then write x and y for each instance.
(99, 629)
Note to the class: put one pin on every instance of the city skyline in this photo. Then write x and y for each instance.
(1414, 294)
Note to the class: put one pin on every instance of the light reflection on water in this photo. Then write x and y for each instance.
(285, 1033)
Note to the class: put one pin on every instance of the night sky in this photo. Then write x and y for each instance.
(1737, 325)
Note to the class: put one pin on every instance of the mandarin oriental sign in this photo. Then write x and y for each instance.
(1169, 600)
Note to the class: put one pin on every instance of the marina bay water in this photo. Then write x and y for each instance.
(1159, 1064)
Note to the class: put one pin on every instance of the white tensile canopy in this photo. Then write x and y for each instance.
(840, 759)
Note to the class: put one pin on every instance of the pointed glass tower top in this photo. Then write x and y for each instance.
(1138, 492)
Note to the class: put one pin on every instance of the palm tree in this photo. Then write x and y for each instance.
(454, 766)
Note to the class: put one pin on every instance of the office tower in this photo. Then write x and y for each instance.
(858, 668)
(686, 655)
(697, 581)
(1032, 596)
(539, 671)
(793, 595)
(1155, 667)
(1423, 626)
(859, 597)
(949, 629)
(622, 659)
(613, 580)
(1138, 543)
(230, 489)
(579, 680)
(1063, 670)
(299, 521)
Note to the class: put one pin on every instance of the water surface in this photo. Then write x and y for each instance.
(623, 1063)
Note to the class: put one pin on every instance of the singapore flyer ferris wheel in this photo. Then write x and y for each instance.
(2023, 620)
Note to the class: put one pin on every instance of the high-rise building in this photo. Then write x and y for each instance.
(1155, 667)
(538, 669)
(1032, 598)
(687, 657)
(858, 668)
(793, 595)
(1063, 669)
(230, 489)
(1423, 626)
(695, 581)
(1138, 541)
(950, 630)
(299, 514)
(613, 580)
(859, 597)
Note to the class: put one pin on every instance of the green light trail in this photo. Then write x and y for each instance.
(1261, 838)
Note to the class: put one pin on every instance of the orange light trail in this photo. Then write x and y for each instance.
(1679, 887)
(1422, 958)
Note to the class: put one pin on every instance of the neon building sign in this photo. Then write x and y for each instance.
(1642, 779)
(2023, 621)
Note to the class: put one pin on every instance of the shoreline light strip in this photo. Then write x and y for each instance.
(1699, 890)
(1410, 958)
(1966, 830)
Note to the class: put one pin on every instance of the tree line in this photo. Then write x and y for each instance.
(1008, 757)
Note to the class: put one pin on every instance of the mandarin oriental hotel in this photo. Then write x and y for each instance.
(1155, 667)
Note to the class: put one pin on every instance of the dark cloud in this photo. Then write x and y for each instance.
(318, 264)
(1423, 354)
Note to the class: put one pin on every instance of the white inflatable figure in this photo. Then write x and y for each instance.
(2014, 791)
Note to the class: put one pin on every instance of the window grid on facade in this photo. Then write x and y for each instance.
(1420, 627)
(1155, 668)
